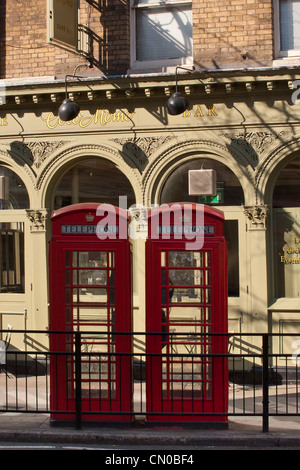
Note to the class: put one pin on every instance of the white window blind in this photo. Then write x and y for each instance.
(163, 31)
(289, 25)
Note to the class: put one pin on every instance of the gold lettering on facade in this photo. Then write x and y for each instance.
(290, 250)
(3, 121)
(199, 112)
(101, 116)
(186, 113)
(211, 111)
(285, 260)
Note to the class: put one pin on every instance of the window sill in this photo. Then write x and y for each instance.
(286, 61)
(284, 304)
(167, 66)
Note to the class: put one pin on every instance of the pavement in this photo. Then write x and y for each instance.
(242, 432)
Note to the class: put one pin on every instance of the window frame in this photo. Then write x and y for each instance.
(159, 63)
(279, 53)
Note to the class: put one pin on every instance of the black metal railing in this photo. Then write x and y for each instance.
(89, 379)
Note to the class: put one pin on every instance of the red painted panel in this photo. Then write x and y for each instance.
(186, 292)
(90, 292)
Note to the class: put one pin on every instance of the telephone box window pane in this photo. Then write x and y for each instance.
(163, 277)
(67, 259)
(111, 258)
(208, 296)
(68, 296)
(67, 277)
(208, 310)
(89, 277)
(187, 296)
(208, 277)
(185, 258)
(68, 315)
(90, 295)
(87, 259)
(111, 278)
(92, 315)
(207, 259)
(112, 296)
(186, 277)
(187, 315)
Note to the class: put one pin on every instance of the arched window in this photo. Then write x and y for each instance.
(96, 180)
(13, 193)
(176, 189)
(286, 214)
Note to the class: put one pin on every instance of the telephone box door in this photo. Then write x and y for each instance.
(90, 294)
(186, 306)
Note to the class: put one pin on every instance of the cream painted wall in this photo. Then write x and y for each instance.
(250, 136)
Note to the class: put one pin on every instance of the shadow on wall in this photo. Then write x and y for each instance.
(2, 38)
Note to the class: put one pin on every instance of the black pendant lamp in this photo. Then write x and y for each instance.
(177, 103)
(68, 110)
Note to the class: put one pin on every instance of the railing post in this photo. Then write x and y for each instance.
(265, 381)
(78, 378)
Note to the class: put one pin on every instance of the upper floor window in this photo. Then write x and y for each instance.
(287, 27)
(162, 33)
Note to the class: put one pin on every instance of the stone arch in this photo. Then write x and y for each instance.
(166, 162)
(63, 160)
(270, 167)
(17, 165)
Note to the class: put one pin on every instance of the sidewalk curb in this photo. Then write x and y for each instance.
(139, 438)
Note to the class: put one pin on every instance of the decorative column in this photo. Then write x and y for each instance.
(257, 269)
(39, 266)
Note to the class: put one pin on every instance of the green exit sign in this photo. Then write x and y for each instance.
(216, 199)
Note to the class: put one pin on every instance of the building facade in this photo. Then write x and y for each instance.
(240, 66)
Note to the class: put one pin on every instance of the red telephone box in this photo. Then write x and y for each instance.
(186, 291)
(90, 293)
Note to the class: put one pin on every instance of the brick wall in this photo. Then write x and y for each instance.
(24, 51)
(226, 33)
(232, 32)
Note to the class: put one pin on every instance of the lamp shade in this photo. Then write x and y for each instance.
(68, 110)
(177, 104)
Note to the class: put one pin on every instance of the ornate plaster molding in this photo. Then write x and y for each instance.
(257, 215)
(42, 150)
(90, 150)
(286, 148)
(37, 218)
(254, 143)
(36, 152)
(139, 149)
(11, 157)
